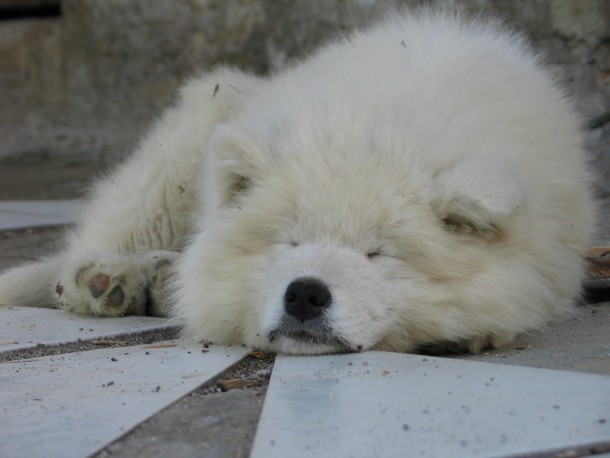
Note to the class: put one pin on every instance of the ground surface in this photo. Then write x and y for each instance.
(41, 177)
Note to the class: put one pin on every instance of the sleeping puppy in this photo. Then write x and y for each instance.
(420, 181)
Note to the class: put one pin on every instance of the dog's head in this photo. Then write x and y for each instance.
(387, 192)
(323, 246)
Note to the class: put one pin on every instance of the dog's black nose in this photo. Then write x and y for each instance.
(306, 298)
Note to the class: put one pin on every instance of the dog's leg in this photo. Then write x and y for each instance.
(146, 204)
(477, 345)
(110, 284)
(157, 268)
(30, 285)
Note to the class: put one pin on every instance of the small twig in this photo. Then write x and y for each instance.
(233, 87)
(105, 342)
(161, 346)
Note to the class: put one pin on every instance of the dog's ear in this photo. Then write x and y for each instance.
(234, 156)
(480, 197)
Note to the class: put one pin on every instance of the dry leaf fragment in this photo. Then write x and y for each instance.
(598, 260)
(226, 385)
(257, 355)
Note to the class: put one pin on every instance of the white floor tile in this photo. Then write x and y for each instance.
(388, 404)
(73, 404)
(31, 213)
(26, 327)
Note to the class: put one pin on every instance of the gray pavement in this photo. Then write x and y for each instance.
(16, 214)
(384, 404)
(73, 404)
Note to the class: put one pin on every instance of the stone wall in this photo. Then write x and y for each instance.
(87, 81)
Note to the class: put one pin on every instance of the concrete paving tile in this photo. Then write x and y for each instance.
(31, 213)
(73, 404)
(388, 404)
(581, 344)
(26, 327)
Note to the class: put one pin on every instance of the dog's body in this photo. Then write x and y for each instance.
(419, 182)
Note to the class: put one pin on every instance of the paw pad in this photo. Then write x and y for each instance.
(116, 297)
(98, 286)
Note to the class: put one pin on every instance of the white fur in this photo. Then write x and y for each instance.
(428, 171)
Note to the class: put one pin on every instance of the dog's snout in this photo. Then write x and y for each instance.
(306, 298)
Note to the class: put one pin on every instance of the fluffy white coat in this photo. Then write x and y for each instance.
(418, 182)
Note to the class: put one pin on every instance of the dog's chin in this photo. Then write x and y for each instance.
(301, 342)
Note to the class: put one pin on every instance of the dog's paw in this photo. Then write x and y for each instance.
(157, 268)
(106, 288)
(478, 344)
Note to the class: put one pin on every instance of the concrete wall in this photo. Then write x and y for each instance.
(87, 81)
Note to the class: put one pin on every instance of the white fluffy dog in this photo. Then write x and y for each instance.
(421, 181)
